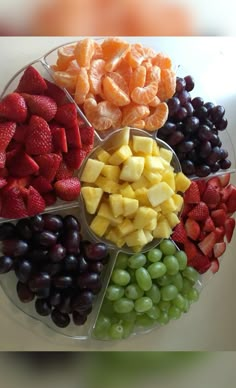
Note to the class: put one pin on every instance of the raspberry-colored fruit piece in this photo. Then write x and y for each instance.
(200, 212)
(20, 133)
(73, 136)
(211, 196)
(35, 202)
(208, 225)
(67, 115)
(13, 107)
(215, 266)
(41, 184)
(31, 82)
(50, 198)
(229, 228)
(12, 204)
(207, 244)
(219, 249)
(74, 158)
(220, 233)
(215, 182)
(68, 189)
(231, 202)
(21, 165)
(87, 135)
(179, 234)
(7, 131)
(192, 229)
(48, 165)
(201, 186)
(3, 182)
(219, 217)
(87, 148)
(42, 106)
(192, 194)
(39, 138)
(190, 249)
(64, 172)
(56, 93)
(2, 159)
(224, 179)
(59, 140)
(200, 262)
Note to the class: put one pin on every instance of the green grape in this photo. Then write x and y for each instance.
(144, 321)
(143, 279)
(154, 294)
(156, 270)
(163, 318)
(167, 247)
(132, 275)
(174, 312)
(128, 328)
(187, 286)
(143, 304)
(172, 265)
(154, 255)
(179, 302)
(164, 306)
(187, 306)
(193, 295)
(133, 291)
(191, 274)
(182, 259)
(177, 280)
(137, 261)
(123, 305)
(120, 277)
(164, 280)
(122, 261)
(116, 331)
(107, 308)
(102, 326)
(154, 312)
(129, 317)
(114, 292)
(169, 292)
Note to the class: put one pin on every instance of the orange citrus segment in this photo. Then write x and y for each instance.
(154, 102)
(149, 52)
(95, 73)
(144, 95)
(84, 51)
(114, 49)
(125, 70)
(113, 93)
(98, 54)
(65, 80)
(73, 67)
(82, 86)
(162, 61)
(120, 81)
(158, 118)
(138, 78)
(139, 124)
(107, 116)
(133, 113)
(167, 84)
(135, 56)
(153, 75)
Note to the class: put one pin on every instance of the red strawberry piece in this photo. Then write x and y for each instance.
(42, 106)
(73, 136)
(74, 158)
(87, 135)
(31, 82)
(56, 93)
(224, 179)
(190, 249)
(219, 249)
(67, 115)
(41, 184)
(39, 137)
(201, 186)
(229, 228)
(192, 229)
(21, 165)
(202, 235)
(12, 204)
(68, 189)
(10, 155)
(64, 172)
(208, 225)
(49, 198)
(2, 159)
(179, 234)
(215, 266)
(20, 133)
(13, 107)
(207, 244)
(87, 148)
(219, 217)
(200, 212)
(7, 131)
(211, 196)
(3, 182)
(3, 171)
(35, 202)
(192, 194)
(231, 202)
(59, 140)
(200, 262)
(225, 193)
(220, 233)
(187, 208)
(223, 206)
(215, 182)
(48, 165)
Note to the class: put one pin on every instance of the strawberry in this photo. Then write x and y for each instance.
(49, 198)
(3, 171)
(229, 228)
(208, 225)
(87, 135)
(219, 217)
(192, 229)
(187, 208)
(201, 186)
(223, 206)
(220, 233)
(35, 202)
(215, 266)
(39, 138)
(20, 133)
(73, 136)
(12, 204)
(74, 158)
(22, 164)
(31, 82)
(56, 93)
(179, 234)
(211, 196)
(224, 179)
(13, 107)
(192, 194)
(3, 182)
(68, 189)
(225, 193)
(231, 202)
(190, 249)
(207, 244)
(215, 182)
(59, 140)
(67, 115)
(41, 184)
(42, 106)
(2, 159)
(64, 172)
(7, 131)
(48, 165)
(219, 249)
(200, 212)
(200, 262)
(10, 155)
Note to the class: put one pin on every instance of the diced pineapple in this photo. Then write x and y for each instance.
(132, 169)
(154, 163)
(152, 224)
(182, 183)
(103, 155)
(173, 219)
(122, 137)
(99, 225)
(168, 206)
(142, 182)
(153, 177)
(92, 196)
(163, 229)
(127, 191)
(107, 186)
(136, 238)
(120, 155)
(166, 164)
(130, 206)
(91, 170)
(142, 144)
(143, 216)
(105, 211)
(169, 178)
(111, 172)
(159, 193)
(114, 236)
(141, 196)
(178, 200)
(137, 248)
(126, 227)
(148, 235)
(166, 154)
(116, 204)
(155, 149)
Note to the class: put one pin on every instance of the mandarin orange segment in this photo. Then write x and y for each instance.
(162, 61)
(133, 113)
(65, 80)
(138, 78)
(108, 115)
(156, 101)
(95, 73)
(144, 95)
(82, 86)
(120, 81)
(167, 84)
(84, 51)
(158, 118)
(153, 75)
(66, 53)
(113, 93)
(125, 70)
(98, 54)
(135, 56)
(149, 52)
(114, 49)
(139, 124)
(73, 67)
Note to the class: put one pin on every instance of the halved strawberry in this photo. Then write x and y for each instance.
(219, 249)
(87, 135)
(215, 266)
(20, 133)
(179, 234)
(12, 204)
(7, 131)
(207, 244)
(208, 225)
(190, 249)
(224, 179)
(229, 228)
(192, 229)
(48, 165)
(200, 262)
(49, 198)
(87, 148)
(211, 196)
(3, 171)
(67, 115)
(73, 136)
(215, 182)
(225, 192)
(192, 194)
(39, 137)
(31, 82)
(186, 210)
(35, 202)
(223, 206)
(219, 217)
(200, 212)
(220, 233)
(68, 189)
(64, 172)
(74, 158)
(10, 155)
(21, 165)
(56, 93)
(231, 202)
(59, 140)
(13, 107)
(2, 159)
(201, 186)
(42, 106)
(3, 182)
(41, 184)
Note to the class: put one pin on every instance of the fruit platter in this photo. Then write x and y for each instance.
(116, 201)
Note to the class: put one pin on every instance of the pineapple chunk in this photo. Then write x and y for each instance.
(114, 236)
(166, 154)
(168, 206)
(182, 183)
(178, 200)
(122, 137)
(141, 196)
(142, 182)
(142, 144)
(152, 224)
(137, 248)
(153, 163)
(99, 225)
(169, 178)
(163, 229)
(132, 169)
(116, 204)
(111, 172)
(143, 216)
(153, 177)
(126, 227)
(159, 193)
(136, 238)
(155, 149)
(173, 219)
(91, 171)
(107, 186)
(120, 155)
(130, 206)
(92, 196)
(103, 155)
(105, 212)
(127, 191)
(148, 235)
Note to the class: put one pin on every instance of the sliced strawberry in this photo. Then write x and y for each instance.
(39, 137)
(7, 131)
(201, 186)
(31, 82)
(219, 217)
(21, 165)
(208, 225)
(225, 193)
(35, 202)
(200, 212)
(200, 262)
(13, 107)
(186, 210)
(207, 244)
(179, 234)
(64, 172)
(192, 229)
(2, 159)
(3, 182)
(67, 115)
(10, 155)
(231, 202)
(56, 93)
(224, 179)
(3, 171)
(68, 189)
(219, 249)
(215, 182)
(42, 106)
(41, 184)
(202, 235)
(73, 136)
(229, 228)
(87, 148)
(190, 249)
(59, 140)
(215, 266)
(192, 194)
(87, 135)
(74, 158)
(211, 196)
(223, 206)
(220, 233)
(50, 198)
(20, 133)
(12, 204)
(48, 165)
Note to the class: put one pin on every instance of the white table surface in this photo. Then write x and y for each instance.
(211, 322)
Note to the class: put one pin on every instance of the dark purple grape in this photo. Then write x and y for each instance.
(188, 167)
(188, 106)
(39, 281)
(65, 305)
(168, 128)
(60, 319)
(6, 264)
(82, 301)
(189, 83)
(217, 113)
(191, 124)
(78, 318)
(204, 132)
(37, 223)
(173, 105)
(221, 124)
(197, 102)
(96, 266)
(196, 142)
(72, 242)
(88, 280)
(225, 164)
(83, 265)
(7, 231)
(43, 293)
(71, 223)
(180, 84)
(214, 139)
(71, 263)
(96, 289)
(24, 230)
(181, 155)
(176, 138)
(201, 112)
(52, 268)
(43, 307)
(96, 251)
(184, 97)
(24, 293)
(185, 146)
(63, 281)
(38, 255)
(23, 270)
(214, 156)
(52, 223)
(205, 149)
(55, 298)
(181, 114)
(208, 123)
(57, 253)
(193, 156)
(202, 170)
(106, 259)
(209, 106)
(15, 248)
(47, 239)
(223, 154)
(215, 167)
